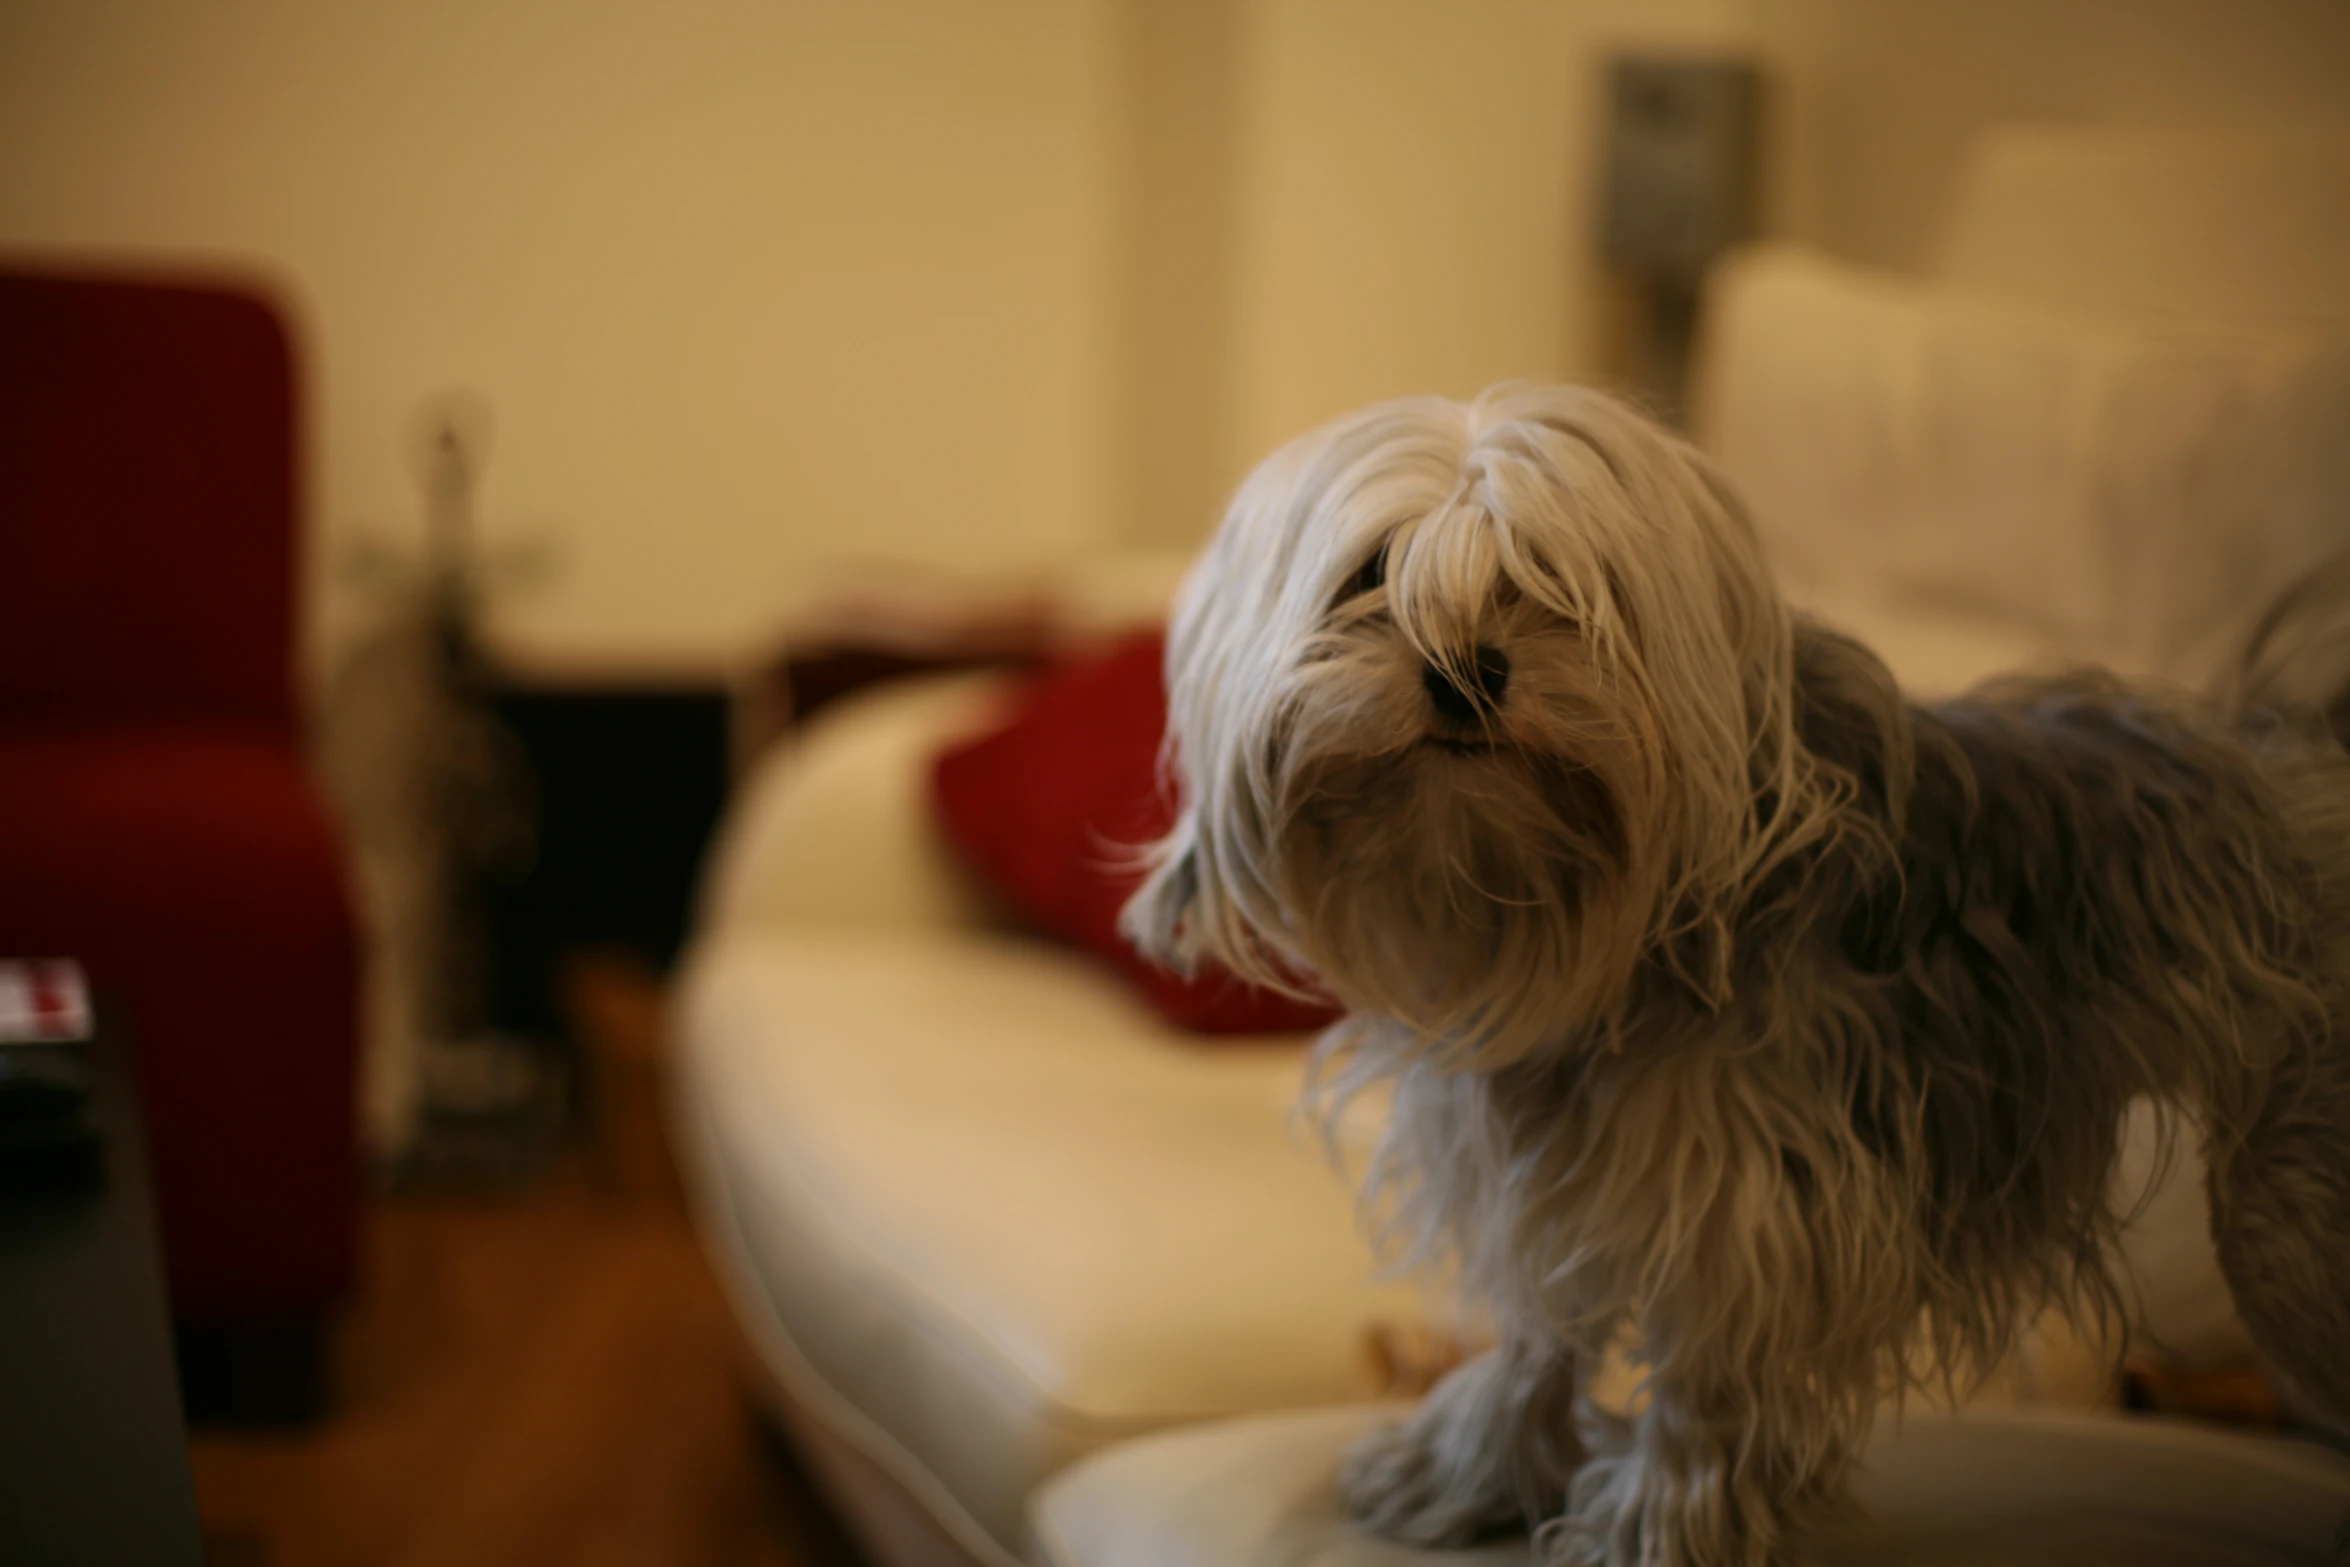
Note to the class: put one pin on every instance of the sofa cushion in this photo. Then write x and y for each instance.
(982, 1213)
(1988, 1489)
(1053, 806)
(2087, 486)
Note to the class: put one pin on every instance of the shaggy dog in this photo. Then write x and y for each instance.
(1731, 1004)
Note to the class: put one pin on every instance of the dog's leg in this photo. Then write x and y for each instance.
(1710, 1478)
(2280, 1213)
(1490, 1449)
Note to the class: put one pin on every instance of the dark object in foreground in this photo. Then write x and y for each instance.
(93, 1454)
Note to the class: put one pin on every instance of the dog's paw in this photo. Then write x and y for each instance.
(1622, 1509)
(1396, 1483)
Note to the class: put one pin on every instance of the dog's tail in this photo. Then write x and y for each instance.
(2297, 658)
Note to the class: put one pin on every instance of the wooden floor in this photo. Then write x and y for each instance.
(546, 1378)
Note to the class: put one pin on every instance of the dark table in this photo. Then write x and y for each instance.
(93, 1448)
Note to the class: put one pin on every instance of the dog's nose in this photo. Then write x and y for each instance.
(1488, 677)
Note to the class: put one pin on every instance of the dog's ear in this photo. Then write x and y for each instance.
(1157, 919)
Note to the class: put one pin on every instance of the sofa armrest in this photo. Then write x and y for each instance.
(833, 828)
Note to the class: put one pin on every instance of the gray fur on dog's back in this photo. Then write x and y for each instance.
(2079, 894)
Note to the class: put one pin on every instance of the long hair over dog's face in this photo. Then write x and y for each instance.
(1475, 707)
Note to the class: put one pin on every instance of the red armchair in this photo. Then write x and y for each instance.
(157, 818)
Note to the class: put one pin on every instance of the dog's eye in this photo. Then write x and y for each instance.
(1370, 574)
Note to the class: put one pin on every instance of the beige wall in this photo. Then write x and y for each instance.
(1875, 99)
(1181, 90)
(750, 283)
(754, 284)
(1413, 203)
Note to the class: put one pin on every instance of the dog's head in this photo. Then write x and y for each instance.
(1476, 707)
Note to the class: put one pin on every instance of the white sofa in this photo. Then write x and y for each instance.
(1991, 1488)
(979, 1212)
(981, 1217)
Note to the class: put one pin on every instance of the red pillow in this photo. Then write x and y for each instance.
(1051, 807)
